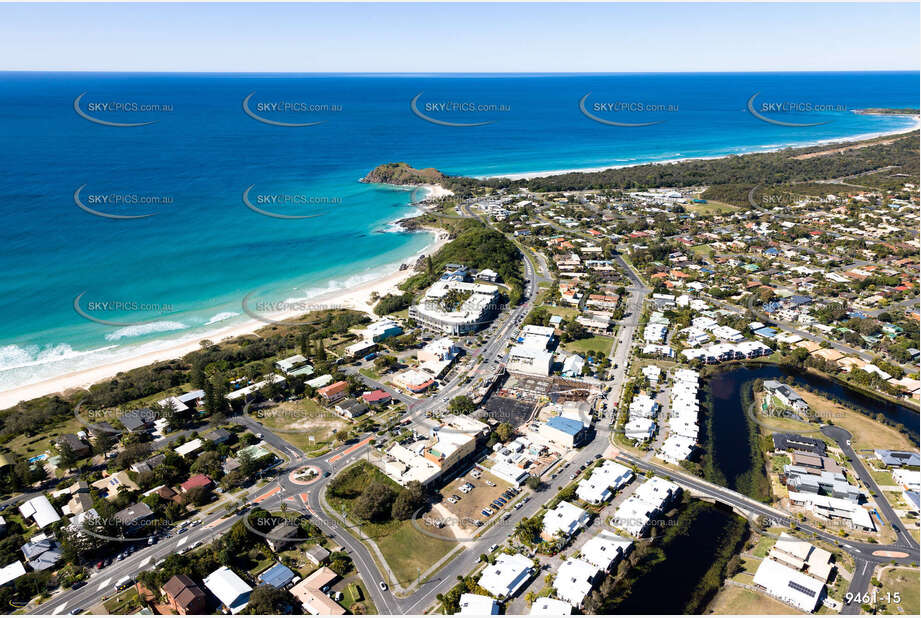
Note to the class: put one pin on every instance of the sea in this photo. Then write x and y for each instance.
(144, 210)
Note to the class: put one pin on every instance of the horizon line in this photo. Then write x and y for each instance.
(485, 73)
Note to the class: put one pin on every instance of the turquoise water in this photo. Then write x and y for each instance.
(188, 267)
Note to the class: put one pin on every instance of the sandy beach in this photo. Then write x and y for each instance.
(357, 297)
(601, 168)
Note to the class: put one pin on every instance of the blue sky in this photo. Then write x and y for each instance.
(460, 37)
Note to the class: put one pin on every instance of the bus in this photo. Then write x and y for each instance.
(124, 583)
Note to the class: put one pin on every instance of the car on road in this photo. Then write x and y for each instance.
(382, 585)
(493, 548)
(572, 477)
(78, 585)
(259, 435)
(76, 610)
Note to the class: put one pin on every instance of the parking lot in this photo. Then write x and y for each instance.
(473, 502)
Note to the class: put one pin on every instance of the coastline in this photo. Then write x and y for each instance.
(357, 297)
(586, 170)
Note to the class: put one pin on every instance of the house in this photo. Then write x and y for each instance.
(487, 274)
(110, 486)
(217, 436)
(477, 605)
(276, 576)
(786, 395)
(183, 595)
(189, 448)
(77, 446)
(40, 510)
(802, 556)
(134, 517)
(41, 552)
(605, 549)
(604, 481)
(143, 467)
(141, 419)
(281, 535)
(507, 576)
(309, 591)
(197, 481)
(335, 391)
(376, 398)
(545, 606)
(352, 408)
(574, 580)
(564, 520)
(898, 459)
(294, 366)
(317, 555)
(230, 590)
(788, 585)
(11, 571)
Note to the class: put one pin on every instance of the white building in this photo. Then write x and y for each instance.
(574, 580)
(604, 481)
(564, 520)
(545, 606)
(40, 510)
(507, 576)
(529, 361)
(640, 429)
(230, 590)
(437, 311)
(788, 585)
(605, 549)
(477, 605)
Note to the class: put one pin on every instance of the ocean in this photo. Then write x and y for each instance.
(85, 288)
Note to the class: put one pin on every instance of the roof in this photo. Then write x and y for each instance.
(132, 514)
(230, 590)
(40, 510)
(199, 480)
(277, 576)
(788, 585)
(11, 572)
(566, 425)
(308, 592)
(477, 604)
(574, 580)
(545, 606)
(183, 589)
(507, 575)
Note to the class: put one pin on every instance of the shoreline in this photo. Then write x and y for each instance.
(588, 170)
(357, 297)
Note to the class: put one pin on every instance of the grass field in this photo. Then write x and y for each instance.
(30, 446)
(407, 551)
(298, 421)
(597, 343)
(905, 582)
(867, 432)
(736, 600)
(711, 208)
(567, 313)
